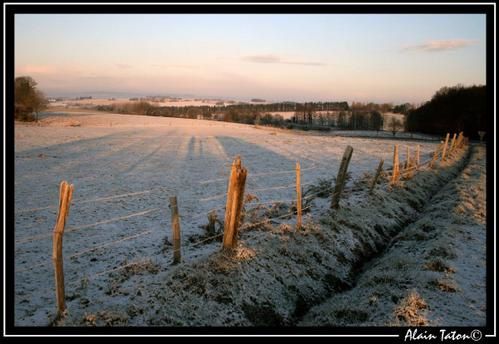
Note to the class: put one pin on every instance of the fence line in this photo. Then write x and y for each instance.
(28, 239)
(136, 193)
(42, 236)
(245, 226)
(73, 229)
(150, 231)
(236, 207)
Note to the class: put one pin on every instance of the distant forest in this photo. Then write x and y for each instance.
(307, 116)
(452, 109)
(146, 108)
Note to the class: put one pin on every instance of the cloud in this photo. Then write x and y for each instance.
(279, 60)
(442, 45)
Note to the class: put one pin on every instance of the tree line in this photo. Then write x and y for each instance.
(306, 115)
(452, 109)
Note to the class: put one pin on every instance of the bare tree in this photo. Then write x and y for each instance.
(395, 125)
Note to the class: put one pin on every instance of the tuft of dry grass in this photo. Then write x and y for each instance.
(244, 253)
(409, 310)
(90, 320)
(438, 265)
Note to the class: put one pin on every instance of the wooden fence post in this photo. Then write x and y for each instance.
(395, 172)
(407, 159)
(445, 146)
(341, 178)
(65, 196)
(435, 155)
(235, 197)
(452, 144)
(459, 140)
(175, 230)
(418, 148)
(298, 196)
(376, 176)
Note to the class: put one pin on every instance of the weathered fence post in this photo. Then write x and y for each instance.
(452, 144)
(459, 141)
(418, 148)
(435, 155)
(376, 176)
(235, 196)
(298, 196)
(445, 146)
(407, 159)
(65, 196)
(341, 178)
(395, 172)
(175, 230)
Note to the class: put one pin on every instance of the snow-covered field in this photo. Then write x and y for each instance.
(124, 169)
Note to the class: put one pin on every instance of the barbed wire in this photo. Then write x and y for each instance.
(94, 200)
(242, 227)
(88, 250)
(73, 229)
(109, 244)
(262, 190)
(253, 224)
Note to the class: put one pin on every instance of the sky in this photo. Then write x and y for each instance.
(316, 57)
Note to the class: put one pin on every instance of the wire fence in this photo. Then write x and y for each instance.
(249, 207)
